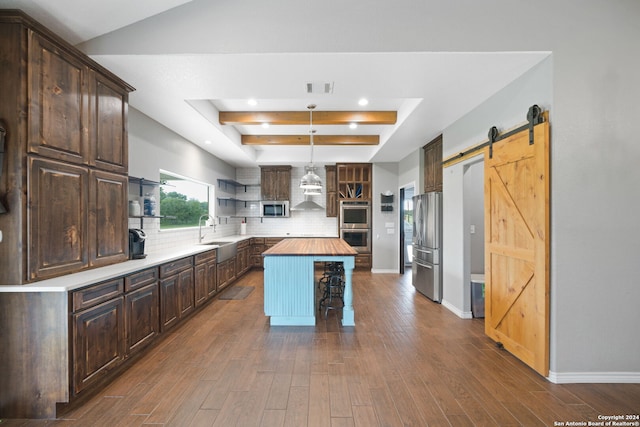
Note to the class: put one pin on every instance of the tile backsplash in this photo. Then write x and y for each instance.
(303, 223)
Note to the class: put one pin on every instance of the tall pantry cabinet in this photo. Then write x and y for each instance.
(64, 178)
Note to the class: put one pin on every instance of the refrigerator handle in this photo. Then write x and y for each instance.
(422, 265)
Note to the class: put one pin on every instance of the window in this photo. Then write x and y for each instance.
(183, 201)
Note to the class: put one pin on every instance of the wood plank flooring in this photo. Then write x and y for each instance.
(407, 362)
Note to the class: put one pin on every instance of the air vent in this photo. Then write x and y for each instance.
(320, 87)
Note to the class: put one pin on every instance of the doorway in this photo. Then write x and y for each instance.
(406, 229)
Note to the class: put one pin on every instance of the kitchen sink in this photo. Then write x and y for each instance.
(226, 250)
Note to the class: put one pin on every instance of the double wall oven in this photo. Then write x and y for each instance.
(355, 224)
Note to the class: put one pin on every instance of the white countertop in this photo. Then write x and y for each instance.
(77, 280)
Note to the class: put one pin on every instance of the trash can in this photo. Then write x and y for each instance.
(477, 295)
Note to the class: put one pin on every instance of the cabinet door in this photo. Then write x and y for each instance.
(201, 291)
(108, 211)
(169, 313)
(283, 187)
(98, 342)
(59, 105)
(57, 212)
(141, 317)
(433, 165)
(268, 183)
(331, 191)
(212, 287)
(109, 148)
(186, 297)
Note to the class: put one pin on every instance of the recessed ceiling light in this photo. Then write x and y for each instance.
(252, 102)
(265, 125)
(363, 101)
(353, 125)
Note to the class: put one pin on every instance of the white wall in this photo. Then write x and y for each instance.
(386, 231)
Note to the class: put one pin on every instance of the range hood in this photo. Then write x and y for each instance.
(307, 205)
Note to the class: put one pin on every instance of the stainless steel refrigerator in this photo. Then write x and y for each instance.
(426, 265)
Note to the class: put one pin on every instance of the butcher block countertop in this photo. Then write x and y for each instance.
(331, 246)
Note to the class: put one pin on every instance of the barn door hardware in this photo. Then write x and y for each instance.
(493, 134)
(3, 133)
(534, 117)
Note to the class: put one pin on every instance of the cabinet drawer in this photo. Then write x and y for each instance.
(176, 266)
(270, 241)
(140, 279)
(95, 294)
(257, 240)
(258, 249)
(243, 244)
(205, 256)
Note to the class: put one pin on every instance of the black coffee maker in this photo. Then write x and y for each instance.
(136, 243)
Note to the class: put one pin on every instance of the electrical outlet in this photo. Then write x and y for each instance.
(472, 229)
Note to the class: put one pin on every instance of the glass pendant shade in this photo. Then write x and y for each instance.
(310, 181)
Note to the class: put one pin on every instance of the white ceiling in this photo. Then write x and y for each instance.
(184, 91)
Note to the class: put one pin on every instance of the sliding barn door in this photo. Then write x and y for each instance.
(517, 245)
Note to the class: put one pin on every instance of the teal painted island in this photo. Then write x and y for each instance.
(289, 288)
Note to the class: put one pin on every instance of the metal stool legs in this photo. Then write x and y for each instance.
(332, 286)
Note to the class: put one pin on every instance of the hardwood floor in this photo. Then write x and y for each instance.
(407, 362)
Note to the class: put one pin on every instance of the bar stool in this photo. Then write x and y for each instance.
(332, 286)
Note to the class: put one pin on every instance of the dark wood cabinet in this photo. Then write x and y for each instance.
(226, 273)
(354, 181)
(331, 190)
(177, 291)
(59, 108)
(141, 310)
(66, 121)
(242, 258)
(97, 333)
(108, 141)
(255, 252)
(205, 276)
(275, 182)
(58, 202)
(433, 165)
(108, 212)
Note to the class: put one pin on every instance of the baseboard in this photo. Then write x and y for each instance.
(461, 314)
(593, 377)
(384, 271)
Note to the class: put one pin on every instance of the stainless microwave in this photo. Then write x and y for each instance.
(272, 209)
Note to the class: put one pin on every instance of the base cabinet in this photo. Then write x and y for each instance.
(98, 342)
(226, 273)
(205, 276)
(177, 291)
(141, 310)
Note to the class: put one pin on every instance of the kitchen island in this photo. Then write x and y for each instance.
(289, 285)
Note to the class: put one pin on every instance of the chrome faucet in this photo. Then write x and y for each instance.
(206, 216)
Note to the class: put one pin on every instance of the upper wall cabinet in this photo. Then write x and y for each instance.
(64, 178)
(354, 181)
(275, 182)
(433, 165)
(76, 114)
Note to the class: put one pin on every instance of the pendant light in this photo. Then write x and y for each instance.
(310, 180)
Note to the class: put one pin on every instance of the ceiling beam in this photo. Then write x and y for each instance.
(345, 140)
(302, 117)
